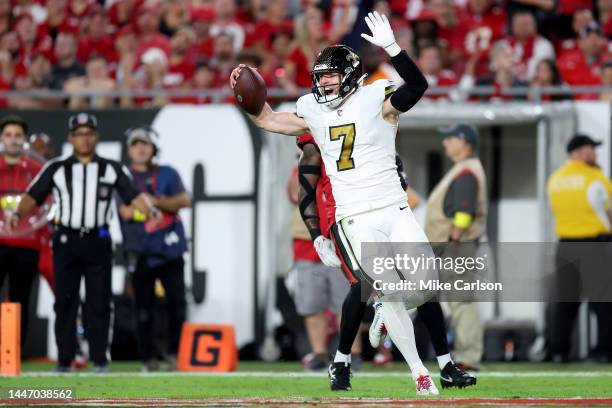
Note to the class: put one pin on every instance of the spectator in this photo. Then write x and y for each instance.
(38, 77)
(6, 17)
(58, 20)
(275, 21)
(277, 58)
(528, 47)
(484, 24)
(124, 12)
(583, 65)
(28, 39)
(79, 8)
(547, 74)
(605, 16)
(203, 78)
(66, 64)
(311, 39)
(32, 7)
(181, 62)
(225, 21)
(606, 79)
(97, 79)
(424, 29)
(450, 32)
(224, 58)
(430, 63)
(501, 75)
(201, 22)
(175, 13)
(581, 19)
(155, 251)
(96, 39)
(148, 22)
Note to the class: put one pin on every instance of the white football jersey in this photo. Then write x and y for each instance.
(358, 149)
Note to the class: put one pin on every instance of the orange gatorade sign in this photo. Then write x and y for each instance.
(10, 339)
(207, 348)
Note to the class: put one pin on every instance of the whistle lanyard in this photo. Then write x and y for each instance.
(141, 183)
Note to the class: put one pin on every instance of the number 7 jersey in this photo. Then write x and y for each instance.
(358, 149)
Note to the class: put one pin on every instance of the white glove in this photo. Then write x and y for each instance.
(382, 34)
(326, 251)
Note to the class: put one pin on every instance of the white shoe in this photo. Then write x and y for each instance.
(377, 328)
(424, 384)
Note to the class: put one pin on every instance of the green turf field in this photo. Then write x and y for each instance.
(284, 381)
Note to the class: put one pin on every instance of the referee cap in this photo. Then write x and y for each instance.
(579, 141)
(82, 119)
(463, 131)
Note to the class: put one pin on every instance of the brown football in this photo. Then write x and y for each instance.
(250, 91)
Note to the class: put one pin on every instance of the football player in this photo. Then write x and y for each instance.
(311, 173)
(355, 128)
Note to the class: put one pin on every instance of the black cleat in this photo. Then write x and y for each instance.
(340, 376)
(453, 376)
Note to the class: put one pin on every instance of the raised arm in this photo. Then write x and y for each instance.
(415, 84)
(285, 123)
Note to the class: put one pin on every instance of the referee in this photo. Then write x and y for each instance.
(82, 186)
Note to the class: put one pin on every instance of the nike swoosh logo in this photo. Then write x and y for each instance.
(446, 379)
(403, 208)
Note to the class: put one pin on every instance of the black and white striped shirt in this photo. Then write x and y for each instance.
(83, 192)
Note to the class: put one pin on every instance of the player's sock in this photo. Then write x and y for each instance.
(342, 358)
(443, 360)
(353, 309)
(431, 314)
(400, 329)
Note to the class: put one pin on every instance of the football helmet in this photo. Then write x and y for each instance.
(343, 60)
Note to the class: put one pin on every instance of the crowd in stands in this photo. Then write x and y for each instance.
(83, 46)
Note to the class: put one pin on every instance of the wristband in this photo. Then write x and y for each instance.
(393, 49)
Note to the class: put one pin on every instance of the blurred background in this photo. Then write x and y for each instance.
(529, 74)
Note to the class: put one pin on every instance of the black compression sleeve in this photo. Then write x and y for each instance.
(308, 177)
(414, 86)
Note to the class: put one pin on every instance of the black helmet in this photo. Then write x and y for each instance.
(341, 59)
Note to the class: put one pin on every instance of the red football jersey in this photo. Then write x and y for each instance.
(481, 32)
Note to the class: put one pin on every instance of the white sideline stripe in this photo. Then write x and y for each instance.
(492, 374)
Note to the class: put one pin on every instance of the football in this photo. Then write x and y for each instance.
(250, 91)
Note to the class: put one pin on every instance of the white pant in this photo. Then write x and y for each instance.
(371, 237)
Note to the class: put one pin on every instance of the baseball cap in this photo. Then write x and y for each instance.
(82, 119)
(144, 134)
(579, 141)
(466, 132)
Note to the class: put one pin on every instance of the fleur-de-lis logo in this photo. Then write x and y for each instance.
(352, 57)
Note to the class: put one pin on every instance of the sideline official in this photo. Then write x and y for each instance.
(19, 255)
(456, 212)
(155, 252)
(82, 185)
(579, 194)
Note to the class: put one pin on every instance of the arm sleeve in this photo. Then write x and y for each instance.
(414, 85)
(124, 185)
(42, 184)
(464, 195)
